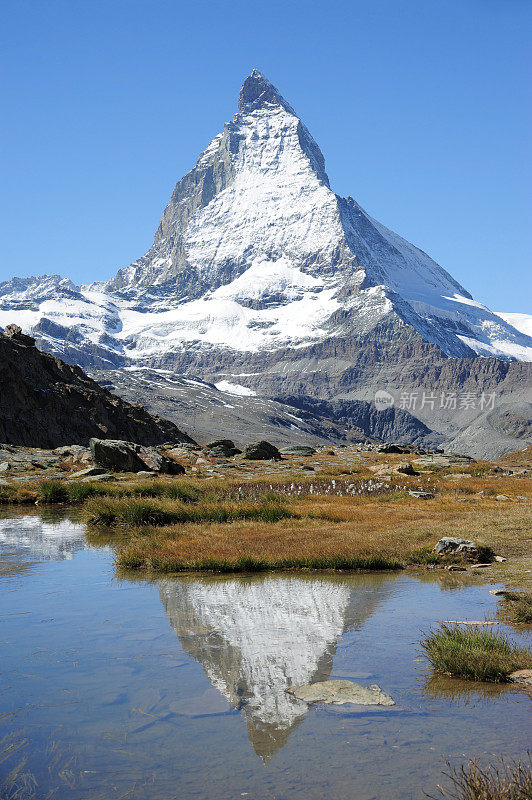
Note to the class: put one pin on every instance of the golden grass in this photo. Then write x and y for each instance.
(364, 528)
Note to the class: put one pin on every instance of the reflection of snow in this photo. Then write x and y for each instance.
(49, 541)
(255, 638)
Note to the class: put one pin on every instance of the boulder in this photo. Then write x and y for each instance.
(221, 448)
(154, 461)
(523, 677)
(420, 494)
(119, 456)
(407, 469)
(299, 450)
(106, 476)
(394, 448)
(454, 546)
(339, 692)
(15, 332)
(262, 451)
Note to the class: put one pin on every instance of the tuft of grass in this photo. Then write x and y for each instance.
(137, 557)
(474, 653)
(485, 555)
(79, 492)
(499, 781)
(52, 492)
(11, 495)
(134, 513)
(517, 607)
(424, 555)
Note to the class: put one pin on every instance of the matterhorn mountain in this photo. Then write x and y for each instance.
(261, 276)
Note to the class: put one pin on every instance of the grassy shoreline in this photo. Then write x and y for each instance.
(332, 521)
(474, 653)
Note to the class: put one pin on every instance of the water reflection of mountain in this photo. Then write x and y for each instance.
(31, 537)
(255, 637)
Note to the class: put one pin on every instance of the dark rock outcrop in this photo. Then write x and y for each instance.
(47, 403)
(222, 448)
(120, 456)
(262, 451)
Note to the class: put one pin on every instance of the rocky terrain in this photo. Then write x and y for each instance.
(261, 277)
(46, 403)
(209, 410)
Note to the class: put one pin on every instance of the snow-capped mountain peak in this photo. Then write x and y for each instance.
(256, 254)
(257, 92)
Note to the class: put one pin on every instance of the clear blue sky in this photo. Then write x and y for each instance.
(419, 106)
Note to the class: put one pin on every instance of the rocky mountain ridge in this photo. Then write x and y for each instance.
(47, 403)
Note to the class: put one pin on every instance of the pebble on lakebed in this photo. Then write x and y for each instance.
(342, 691)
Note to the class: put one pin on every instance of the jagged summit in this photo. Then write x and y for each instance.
(255, 252)
(260, 275)
(257, 91)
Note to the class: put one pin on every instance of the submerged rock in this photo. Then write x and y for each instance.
(338, 692)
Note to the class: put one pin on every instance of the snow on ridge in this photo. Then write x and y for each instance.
(235, 388)
(521, 322)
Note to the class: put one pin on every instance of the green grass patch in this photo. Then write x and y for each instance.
(52, 492)
(474, 653)
(424, 555)
(139, 557)
(11, 495)
(133, 512)
(74, 493)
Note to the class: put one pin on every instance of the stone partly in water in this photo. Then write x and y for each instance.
(262, 451)
(523, 677)
(119, 456)
(454, 545)
(338, 692)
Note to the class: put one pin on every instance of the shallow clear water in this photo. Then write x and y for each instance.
(120, 688)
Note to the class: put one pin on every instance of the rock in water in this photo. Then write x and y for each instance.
(523, 677)
(262, 451)
(338, 692)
